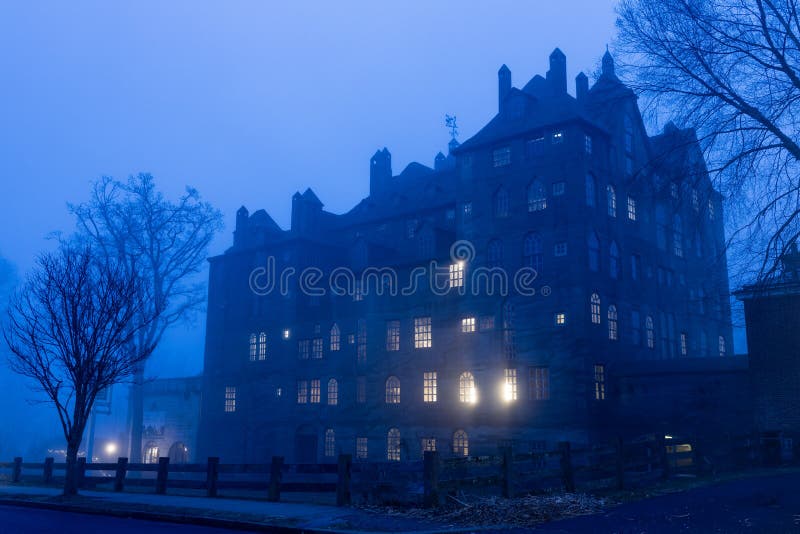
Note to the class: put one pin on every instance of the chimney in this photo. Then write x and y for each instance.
(380, 171)
(503, 86)
(581, 86)
(557, 75)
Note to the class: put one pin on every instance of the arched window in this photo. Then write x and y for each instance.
(336, 337)
(594, 251)
(721, 346)
(393, 445)
(594, 308)
(611, 199)
(467, 393)
(613, 260)
(677, 235)
(262, 346)
(151, 453)
(537, 198)
(494, 253)
(591, 191)
(253, 347)
(532, 252)
(333, 392)
(460, 443)
(649, 332)
(330, 443)
(613, 331)
(392, 390)
(501, 203)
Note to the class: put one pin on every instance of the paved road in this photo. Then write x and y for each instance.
(18, 520)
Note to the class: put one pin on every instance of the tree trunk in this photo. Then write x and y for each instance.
(71, 474)
(136, 407)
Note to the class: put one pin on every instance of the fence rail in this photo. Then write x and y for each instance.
(614, 465)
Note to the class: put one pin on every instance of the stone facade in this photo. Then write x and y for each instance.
(610, 242)
(171, 408)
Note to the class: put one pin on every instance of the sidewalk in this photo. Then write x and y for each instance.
(220, 512)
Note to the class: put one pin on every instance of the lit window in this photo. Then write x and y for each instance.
(611, 199)
(460, 443)
(361, 389)
(361, 347)
(721, 346)
(486, 323)
(230, 398)
(429, 386)
(532, 252)
(590, 190)
(361, 448)
(560, 319)
(316, 347)
(558, 137)
(253, 347)
(151, 453)
(392, 335)
(457, 274)
(467, 393)
(684, 344)
(392, 390)
(594, 305)
(468, 324)
(539, 383)
(262, 346)
(335, 338)
(613, 260)
(510, 385)
(315, 391)
(428, 445)
(422, 333)
(649, 332)
(393, 445)
(333, 392)
(501, 156)
(560, 249)
(358, 291)
(330, 443)
(279, 392)
(537, 198)
(587, 144)
(303, 349)
(599, 382)
(594, 252)
(302, 391)
(501, 203)
(286, 333)
(631, 208)
(613, 332)
(559, 189)
(351, 339)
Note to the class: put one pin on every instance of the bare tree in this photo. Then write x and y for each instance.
(165, 244)
(730, 69)
(71, 329)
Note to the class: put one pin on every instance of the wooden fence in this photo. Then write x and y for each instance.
(616, 465)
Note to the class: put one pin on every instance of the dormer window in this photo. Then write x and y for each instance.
(558, 137)
(501, 157)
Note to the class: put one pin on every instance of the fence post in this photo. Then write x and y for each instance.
(81, 474)
(343, 480)
(16, 474)
(508, 465)
(211, 476)
(430, 476)
(663, 456)
(275, 473)
(620, 463)
(48, 470)
(567, 475)
(122, 470)
(161, 477)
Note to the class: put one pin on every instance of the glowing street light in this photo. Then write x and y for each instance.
(111, 448)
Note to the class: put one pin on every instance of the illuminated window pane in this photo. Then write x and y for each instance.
(303, 349)
(429, 386)
(428, 444)
(613, 331)
(561, 319)
(361, 348)
(230, 399)
(486, 323)
(315, 391)
(631, 208)
(330, 443)
(467, 393)
(392, 335)
(422, 333)
(537, 197)
(392, 390)
(302, 391)
(457, 274)
(594, 305)
(361, 389)
(460, 443)
(599, 382)
(335, 338)
(333, 392)
(468, 324)
(650, 332)
(510, 385)
(316, 351)
(253, 347)
(393, 445)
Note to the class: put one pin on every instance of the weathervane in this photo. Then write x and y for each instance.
(450, 122)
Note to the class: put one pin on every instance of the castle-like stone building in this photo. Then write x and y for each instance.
(568, 241)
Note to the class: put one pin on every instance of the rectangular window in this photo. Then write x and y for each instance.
(286, 333)
(351, 339)
(560, 319)
(599, 382)
(330, 443)
(560, 249)
(559, 188)
(303, 349)
(230, 399)
(501, 157)
(361, 347)
(302, 391)
(534, 147)
(466, 212)
(468, 324)
(392, 335)
(422, 333)
(315, 391)
(539, 383)
(361, 389)
(457, 274)
(684, 344)
(428, 444)
(429, 386)
(361, 448)
(631, 208)
(358, 291)
(316, 352)
(510, 385)
(587, 143)
(558, 137)
(486, 323)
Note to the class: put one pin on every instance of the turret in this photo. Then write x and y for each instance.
(439, 162)
(305, 211)
(581, 86)
(380, 171)
(503, 86)
(608, 65)
(242, 217)
(557, 75)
